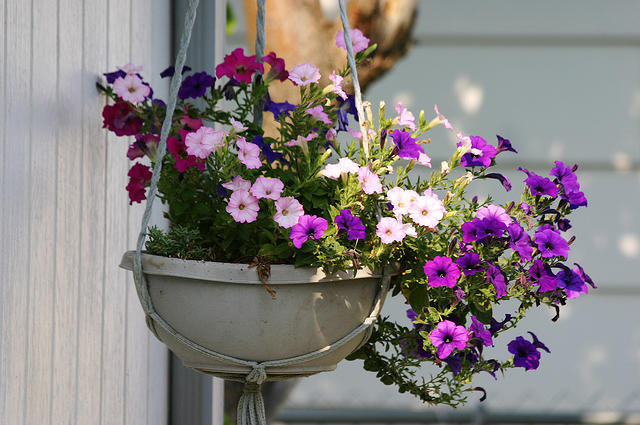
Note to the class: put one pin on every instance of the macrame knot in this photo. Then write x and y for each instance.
(256, 376)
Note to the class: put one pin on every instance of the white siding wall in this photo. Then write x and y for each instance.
(74, 348)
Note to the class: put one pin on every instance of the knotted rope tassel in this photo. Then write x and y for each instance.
(251, 404)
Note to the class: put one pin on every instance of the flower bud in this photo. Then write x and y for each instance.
(444, 168)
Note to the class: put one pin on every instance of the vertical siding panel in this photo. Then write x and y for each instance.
(137, 341)
(114, 326)
(90, 285)
(15, 201)
(42, 213)
(4, 378)
(71, 92)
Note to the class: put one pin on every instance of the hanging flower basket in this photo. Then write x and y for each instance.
(312, 310)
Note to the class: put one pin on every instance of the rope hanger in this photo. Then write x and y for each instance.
(251, 405)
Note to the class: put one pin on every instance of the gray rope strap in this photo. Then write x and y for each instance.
(176, 81)
(251, 404)
(354, 77)
(261, 43)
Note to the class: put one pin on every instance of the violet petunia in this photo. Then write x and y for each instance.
(551, 244)
(447, 336)
(505, 145)
(442, 271)
(406, 146)
(539, 185)
(520, 241)
(196, 85)
(566, 177)
(524, 353)
(479, 331)
(541, 274)
(470, 264)
(497, 279)
(350, 224)
(480, 155)
(308, 226)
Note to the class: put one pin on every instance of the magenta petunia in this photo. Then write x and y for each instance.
(308, 226)
(447, 336)
(139, 176)
(277, 71)
(442, 271)
(121, 119)
(238, 66)
(179, 151)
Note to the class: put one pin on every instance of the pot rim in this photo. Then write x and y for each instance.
(281, 274)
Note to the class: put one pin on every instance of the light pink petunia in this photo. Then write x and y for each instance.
(424, 159)
(131, 89)
(237, 183)
(267, 187)
(405, 117)
(319, 113)
(243, 207)
(205, 140)
(343, 166)
(304, 74)
(410, 230)
(358, 40)
(426, 211)
(370, 181)
(130, 69)
(400, 199)
(288, 211)
(445, 122)
(390, 230)
(337, 79)
(237, 126)
(494, 211)
(248, 153)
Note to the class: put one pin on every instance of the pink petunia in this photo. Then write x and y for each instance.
(369, 180)
(248, 153)
(243, 207)
(424, 159)
(495, 212)
(288, 211)
(337, 79)
(237, 65)
(179, 152)
(202, 142)
(343, 166)
(426, 211)
(390, 230)
(405, 117)
(319, 113)
(237, 126)
(237, 183)
(267, 187)
(131, 89)
(304, 74)
(445, 122)
(130, 69)
(358, 40)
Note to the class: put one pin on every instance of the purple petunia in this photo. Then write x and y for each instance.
(539, 185)
(171, 70)
(572, 283)
(566, 177)
(267, 151)
(351, 224)
(525, 353)
(472, 231)
(479, 331)
(447, 337)
(406, 146)
(308, 226)
(551, 244)
(505, 145)
(495, 276)
(470, 263)
(541, 274)
(575, 199)
(196, 85)
(506, 183)
(520, 241)
(480, 155)
(442, 271)
(113, 76)
(278, 109)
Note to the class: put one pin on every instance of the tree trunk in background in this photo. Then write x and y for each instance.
(305, 31)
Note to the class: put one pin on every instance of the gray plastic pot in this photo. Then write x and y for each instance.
(224, 307)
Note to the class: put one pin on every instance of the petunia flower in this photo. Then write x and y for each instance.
(370, 181)
(497, 279)
(426, 211)
(130, 69)
(405, 117)
(441, 271)
(551, 244)
(480, 155)
(390, 230)
(196, 85)
(343, 166)
(278, 109)
(267, 187)
(288, 211)
(277, 71)
(237, 183)
(237, 126)
(131, 89)
(358, 40)
(525, 353)
(520, 241)
(447, 336)
(204, 141)
(441, 119)
(401, 200)
(572, 283)
(145, 144)
(171, 70)
(336, 80)
(308, 226)
(350, 224)
(318, 113)
(243, 207)
(541, 274)
(248, 154)
(479, 331)
(304, 74)
(406, 146)
(139, 176)
(239, 67)
(183, 160)
(504, 145)
(470, 263)
(268, 151)
(494, 211)
(539, 185)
